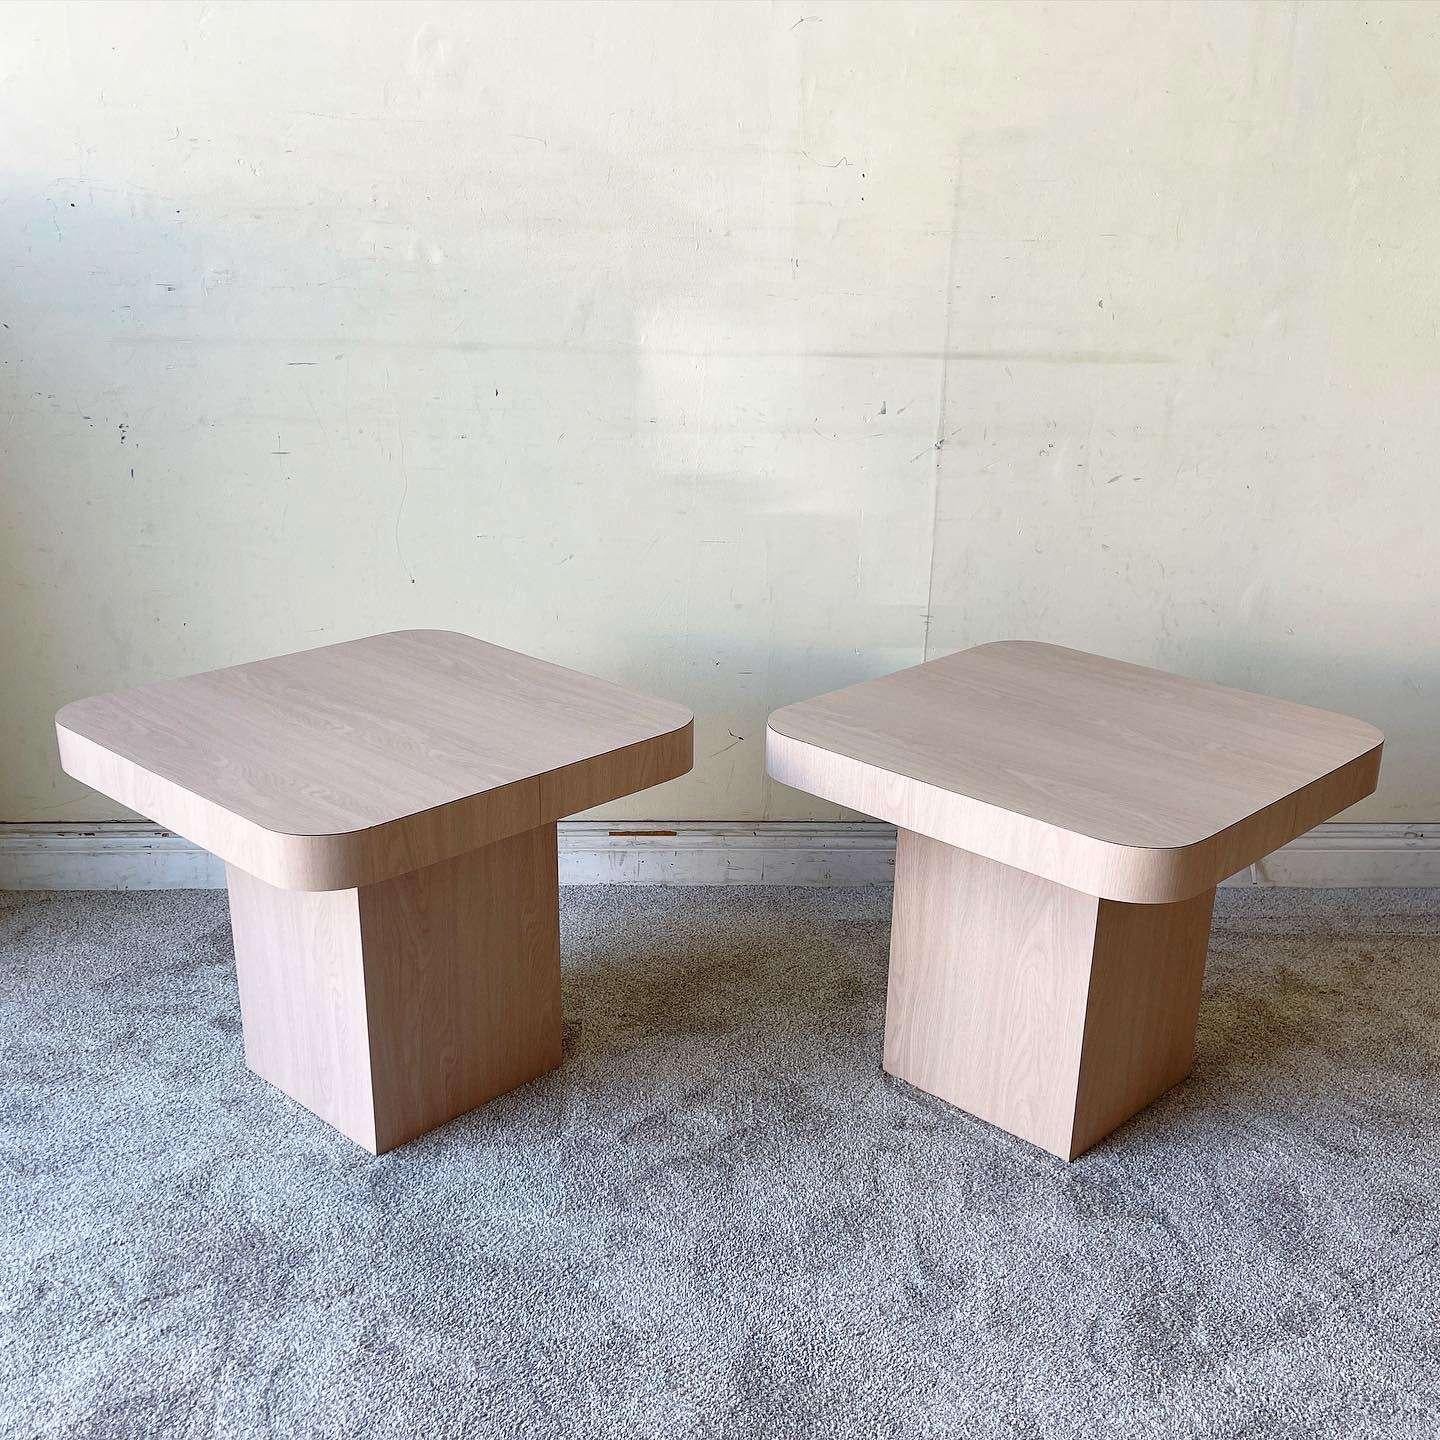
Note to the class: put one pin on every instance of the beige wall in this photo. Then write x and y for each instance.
(630, 336)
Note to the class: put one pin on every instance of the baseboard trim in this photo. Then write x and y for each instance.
(121, 855)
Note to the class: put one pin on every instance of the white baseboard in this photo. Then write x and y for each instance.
(120, 855)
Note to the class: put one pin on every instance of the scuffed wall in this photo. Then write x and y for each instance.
(732, 351)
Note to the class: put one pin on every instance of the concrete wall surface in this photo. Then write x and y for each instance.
(732, 351)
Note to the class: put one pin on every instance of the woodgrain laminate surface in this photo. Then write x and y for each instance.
(1121, 781)
(350, 764)
(1053, 1014)
(392, 1008)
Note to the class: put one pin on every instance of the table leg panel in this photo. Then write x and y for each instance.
(390, 1009)
(1146, 975)
(462, 981)
(302, 997)
(1048, 1012)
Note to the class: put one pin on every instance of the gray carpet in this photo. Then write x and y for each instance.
(718, 1218)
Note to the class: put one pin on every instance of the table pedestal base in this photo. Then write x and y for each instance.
(1050, 1013)
(392, 1008)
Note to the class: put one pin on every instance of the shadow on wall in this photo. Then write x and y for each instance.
(248, 424)
(242, 435)
(1353, 680)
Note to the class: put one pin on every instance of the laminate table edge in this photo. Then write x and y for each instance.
(1153, 875)
(345, 859)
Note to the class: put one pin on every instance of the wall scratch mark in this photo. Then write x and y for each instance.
(399, 515)
(675, 352)
(942, 399)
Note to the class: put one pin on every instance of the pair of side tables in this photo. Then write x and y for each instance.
(386, 811)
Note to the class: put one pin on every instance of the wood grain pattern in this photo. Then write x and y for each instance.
(1147, 969)
(1113, 779)
(1053, 1014)
(340, 767)
(391, 1008)
(989, 971)
(302, 998)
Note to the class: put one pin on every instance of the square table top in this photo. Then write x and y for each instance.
(1122, 781)
(351, 763)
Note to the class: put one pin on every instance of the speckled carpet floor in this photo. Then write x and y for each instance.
(718, 1218)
